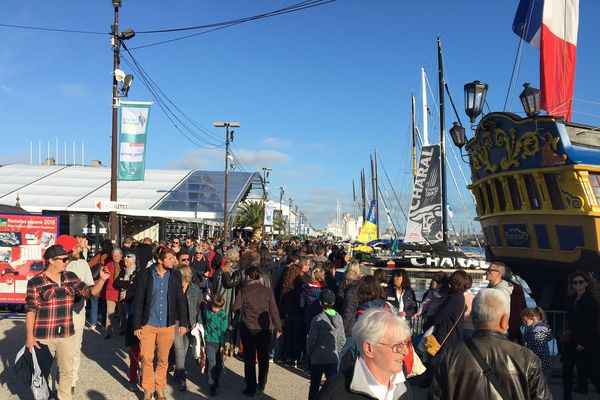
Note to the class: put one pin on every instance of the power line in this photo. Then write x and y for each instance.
(160, 97)
(40, 28)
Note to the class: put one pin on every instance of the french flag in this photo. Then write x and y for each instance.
(551, 26)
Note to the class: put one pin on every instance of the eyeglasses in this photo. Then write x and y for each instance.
(492, 270)
(175, 242)
(185, 259)
(63, 259)
(398, 347)
(578, 282)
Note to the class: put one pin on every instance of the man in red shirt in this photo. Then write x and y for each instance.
(49, 304)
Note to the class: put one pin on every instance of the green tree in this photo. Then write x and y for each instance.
(250, 214)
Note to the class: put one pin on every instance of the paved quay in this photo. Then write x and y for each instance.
(104, 367)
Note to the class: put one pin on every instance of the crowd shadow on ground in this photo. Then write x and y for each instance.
(10, 344)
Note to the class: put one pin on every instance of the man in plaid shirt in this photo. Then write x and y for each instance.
(49, 318)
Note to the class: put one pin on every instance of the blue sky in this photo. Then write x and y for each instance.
(315, 91)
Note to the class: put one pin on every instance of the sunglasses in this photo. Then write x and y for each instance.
(185, 259)
(578, 282)
(492, 270)
(63, 259)
(175, 242)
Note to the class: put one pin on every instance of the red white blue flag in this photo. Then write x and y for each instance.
(551, 26)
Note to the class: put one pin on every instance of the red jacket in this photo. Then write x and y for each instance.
(108, 291)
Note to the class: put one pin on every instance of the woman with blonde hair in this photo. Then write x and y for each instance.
(194, 298)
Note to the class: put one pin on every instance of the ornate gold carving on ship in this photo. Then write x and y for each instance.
(525, 146)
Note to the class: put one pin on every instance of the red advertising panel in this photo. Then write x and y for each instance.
(23, 240)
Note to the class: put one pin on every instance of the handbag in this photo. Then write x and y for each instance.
(489, 373)
(432, 346)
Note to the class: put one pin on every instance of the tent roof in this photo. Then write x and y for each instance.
(166, 193)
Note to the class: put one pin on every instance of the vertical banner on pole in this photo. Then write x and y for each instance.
(132, 140)
(269, 208)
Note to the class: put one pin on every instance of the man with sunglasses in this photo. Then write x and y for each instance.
(383, 340)
(49, 305)
(494, 275)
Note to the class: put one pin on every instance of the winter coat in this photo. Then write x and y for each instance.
(193, 295)
(109, 292)
(349, 299)
(309, 300)
(258, 307)
(326, 338)
(290, 299)
(372, 304)
(457, 375)
(536, 338)
(451, 311)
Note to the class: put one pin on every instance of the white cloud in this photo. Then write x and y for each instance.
(74, 90)
(213, 159)
(276, 142)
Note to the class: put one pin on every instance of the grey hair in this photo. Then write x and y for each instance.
(132, 255)
(489, 306)
(501, 267)
(116, 250)
(375, 324)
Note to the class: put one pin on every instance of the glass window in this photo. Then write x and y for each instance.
(500, 193)
(595, 182)
(490, 197)
(532, 192)
(515, 193)
(554, 191)
(481, 200)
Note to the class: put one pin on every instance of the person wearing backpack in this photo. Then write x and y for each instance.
(325, 340)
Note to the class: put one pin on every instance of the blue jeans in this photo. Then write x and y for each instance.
(93, 310)
(316, 372)
(181, 344)
(214, 362)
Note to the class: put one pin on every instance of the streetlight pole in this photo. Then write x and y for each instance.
(117, 38)
(228, 139)
(113, 219)
(281, 188)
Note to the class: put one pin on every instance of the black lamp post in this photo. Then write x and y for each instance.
(530, 98)
(475, 93)
(458, 135)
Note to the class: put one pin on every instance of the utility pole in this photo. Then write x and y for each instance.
(113, 219)
(228, 139)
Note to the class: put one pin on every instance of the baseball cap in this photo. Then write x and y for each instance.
(67, 242)
(327, 297)
(54, 251)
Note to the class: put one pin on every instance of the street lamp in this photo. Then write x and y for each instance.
(118, 76)
(228, 138)
(290, 216)
(530, 98)
(458, 135)
(475, 93)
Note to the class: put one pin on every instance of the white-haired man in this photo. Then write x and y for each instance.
(512, 371)
(383, 340)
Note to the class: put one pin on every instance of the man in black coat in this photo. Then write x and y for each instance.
(518, 372)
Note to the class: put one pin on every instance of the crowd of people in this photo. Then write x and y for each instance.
(307, 305)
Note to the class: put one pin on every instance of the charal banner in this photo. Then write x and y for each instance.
(424, 223)
(132, 142)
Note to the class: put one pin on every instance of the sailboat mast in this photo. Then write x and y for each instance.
(363, 191)
(377, 194)
(425, 108)
(414, 138)
(442, 143)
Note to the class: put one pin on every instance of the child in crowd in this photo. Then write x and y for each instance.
(537, 335)
(434, 297)
(324, 342)
(215, 329)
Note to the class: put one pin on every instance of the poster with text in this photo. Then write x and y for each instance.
(23, 240)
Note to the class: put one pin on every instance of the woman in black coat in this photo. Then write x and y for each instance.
(580, 341)
(400, 294)
(448, 321)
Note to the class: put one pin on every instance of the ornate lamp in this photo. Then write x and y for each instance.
(475, 93)
(530, 98)
(458, 135)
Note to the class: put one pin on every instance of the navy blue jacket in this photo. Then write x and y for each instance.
(177, 301)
